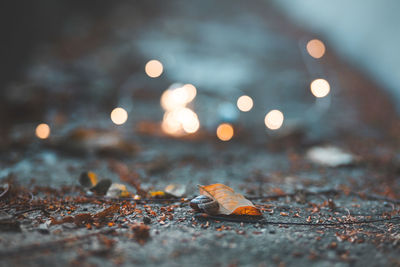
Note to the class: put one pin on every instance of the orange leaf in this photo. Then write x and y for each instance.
(229, 201)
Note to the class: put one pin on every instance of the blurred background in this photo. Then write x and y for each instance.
(78, 74)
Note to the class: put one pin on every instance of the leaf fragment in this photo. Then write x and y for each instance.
(230, 203)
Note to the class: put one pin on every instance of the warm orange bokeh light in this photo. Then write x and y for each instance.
(320, 88)
(225, 132)
(43, 131)
(245, 103)
(119, 116)
(274, 119)
(316, 48)
(154, 68)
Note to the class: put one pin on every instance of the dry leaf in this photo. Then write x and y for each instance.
(88, 179)
(157, 194)
(118, 190)
(101, 187)
(230, 203)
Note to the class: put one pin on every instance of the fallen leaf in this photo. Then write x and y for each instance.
(101, 187)
(88, 179)
(230, 203)
(118, 190)
(157, 194)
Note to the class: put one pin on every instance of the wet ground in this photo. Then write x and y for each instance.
(226, 51)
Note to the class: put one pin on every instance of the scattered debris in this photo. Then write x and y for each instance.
(141, 232)
(87, 219)
(128, 176)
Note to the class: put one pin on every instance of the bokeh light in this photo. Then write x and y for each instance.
(245, 103)
(119, 116)
(174, 98)
(170, 124)
(180, 121)
(191, 92)
(189, 120)
(225, 131)
(43, 131)
(274, 119)
(154, 68)
(316, 48)
(320, 88)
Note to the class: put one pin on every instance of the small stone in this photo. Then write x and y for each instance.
(146, 220)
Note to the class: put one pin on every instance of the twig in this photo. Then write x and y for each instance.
(41, 208)
(6, 188)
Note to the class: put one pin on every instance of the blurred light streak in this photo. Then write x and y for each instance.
(274, 119)
(119, 116)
